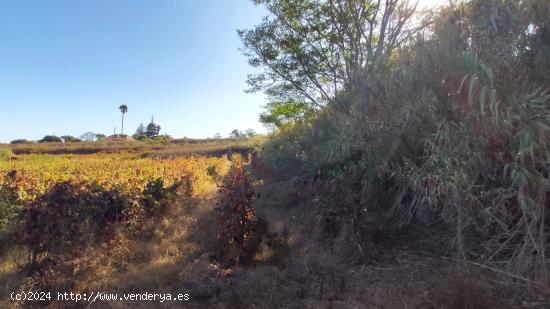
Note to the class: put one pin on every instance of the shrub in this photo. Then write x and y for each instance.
(51, 139)
(20, 141)
(67, 219)
(240, 230)
(10, 205)
(154, 200)
(156, 196)
(141, 137)
(70, 139)
(162, 138)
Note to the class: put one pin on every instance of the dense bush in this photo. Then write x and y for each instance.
(69, 217)
(20, 141)
(50, 139)
(72, 218)
(451, 127)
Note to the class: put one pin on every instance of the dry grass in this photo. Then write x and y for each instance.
(150, 148)
(321, 273)
(173, 256)
(11, 275)
(162, 258)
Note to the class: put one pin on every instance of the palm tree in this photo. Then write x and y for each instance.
(123, 109)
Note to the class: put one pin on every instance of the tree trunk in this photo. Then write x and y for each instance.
(122, 128)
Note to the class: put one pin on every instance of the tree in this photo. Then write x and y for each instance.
(88, 136)
(250, 132)
(123, 109)
(310, 50)
(70, 139)
(20, 141)
(141, 129)
(51, 139)
(152, 129)
(140, 133)
(236, 134)
(217, 136)
(100, 136)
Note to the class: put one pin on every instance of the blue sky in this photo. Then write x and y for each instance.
(66, 66)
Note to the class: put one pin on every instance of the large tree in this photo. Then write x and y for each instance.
(310, 50)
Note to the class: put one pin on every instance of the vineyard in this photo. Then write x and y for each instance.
(74, 222)
(33, 175)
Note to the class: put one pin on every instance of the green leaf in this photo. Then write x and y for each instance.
(542, 125)
(493, 105)
(482, 100)
(488, 72)
(462, 83)
(471, 90)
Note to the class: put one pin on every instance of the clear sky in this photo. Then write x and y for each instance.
(66, 66)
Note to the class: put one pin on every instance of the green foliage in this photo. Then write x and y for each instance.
(70, 139)
(20, 141)
(284, 114)
(51, 139)
(140, 133)
(250, 133)
(6, 155)
(142, 137)
(236, 134)
(311, 50)
(156, 196)
(123, 109)
(152, 129)
(242, 134)
(450, 126)
(72, 216)
(69, 217)
(162, 138)
(90, 136)
(10, 205)
(240, 230)
(212, 172)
